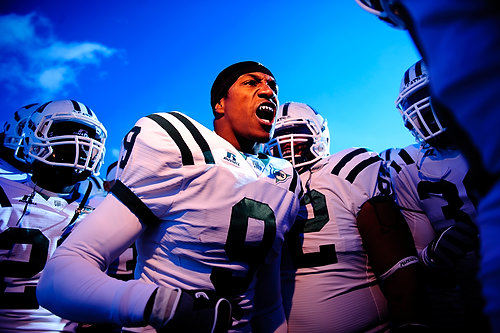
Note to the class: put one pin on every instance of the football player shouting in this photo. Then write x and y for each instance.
(208, 216)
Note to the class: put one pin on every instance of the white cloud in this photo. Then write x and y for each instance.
(77, 52)
(32, 57)
(16, 29)
(53, 79)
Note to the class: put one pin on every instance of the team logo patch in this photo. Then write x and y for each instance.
(258, 165)
(231, 158)
(280, 176)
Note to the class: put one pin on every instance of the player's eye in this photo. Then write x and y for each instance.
(251, 82)
(273, 86)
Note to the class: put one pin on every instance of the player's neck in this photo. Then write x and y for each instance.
(52, 185)
(54, 179)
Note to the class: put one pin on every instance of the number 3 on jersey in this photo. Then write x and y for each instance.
(326, 254)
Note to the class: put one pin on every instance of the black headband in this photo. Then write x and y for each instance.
(229, 75)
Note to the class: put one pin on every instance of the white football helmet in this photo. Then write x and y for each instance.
(386, 10)
(301, 135)
(13, 130)
(414, 104)
(65, 133)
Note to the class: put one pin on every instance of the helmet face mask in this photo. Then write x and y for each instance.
(301, 136)
(60, 135)
(414, 104)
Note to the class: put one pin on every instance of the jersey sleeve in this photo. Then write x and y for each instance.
(150, 165)
(73, 284)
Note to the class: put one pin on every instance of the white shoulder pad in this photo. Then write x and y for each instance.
(154, 154)
(355, 172)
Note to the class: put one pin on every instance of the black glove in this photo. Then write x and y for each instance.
(176, 310)
(451, 245)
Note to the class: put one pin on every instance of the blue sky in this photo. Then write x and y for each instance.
(127, 59)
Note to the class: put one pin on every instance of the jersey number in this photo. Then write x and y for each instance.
(238, 248)
(127, 145)
(450, 193)
(22, 269)
(326, 254)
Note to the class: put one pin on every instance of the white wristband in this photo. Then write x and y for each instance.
(164, 306)
(400, 264)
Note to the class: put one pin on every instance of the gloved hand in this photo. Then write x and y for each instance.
(452, 244)
(176, 310)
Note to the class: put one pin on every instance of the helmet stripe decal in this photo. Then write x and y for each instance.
(407, 77)
(29, 106)
(285, 109)
(89, 111)
(42, 107)
(187, 156)
(202, 143)
(344, 160)
(76, 105)
(360, 167)
(418, 68)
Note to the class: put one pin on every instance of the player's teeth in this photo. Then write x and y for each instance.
(265, 107)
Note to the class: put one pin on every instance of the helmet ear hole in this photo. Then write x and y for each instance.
(319, 148)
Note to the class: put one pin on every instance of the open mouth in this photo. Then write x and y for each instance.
(265, 112)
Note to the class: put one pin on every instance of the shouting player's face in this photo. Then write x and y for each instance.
(249, 108)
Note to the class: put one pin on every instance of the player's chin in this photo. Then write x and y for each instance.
(262, 136)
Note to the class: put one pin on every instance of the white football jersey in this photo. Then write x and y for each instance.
(431, 188)
(327, 284)
(97, 187)
(32, 224)
(211, 217)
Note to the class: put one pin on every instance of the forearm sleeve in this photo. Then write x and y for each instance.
(388, 240)
(73, 285)
(269, 315)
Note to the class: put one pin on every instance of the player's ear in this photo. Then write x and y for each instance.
(219, 109)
